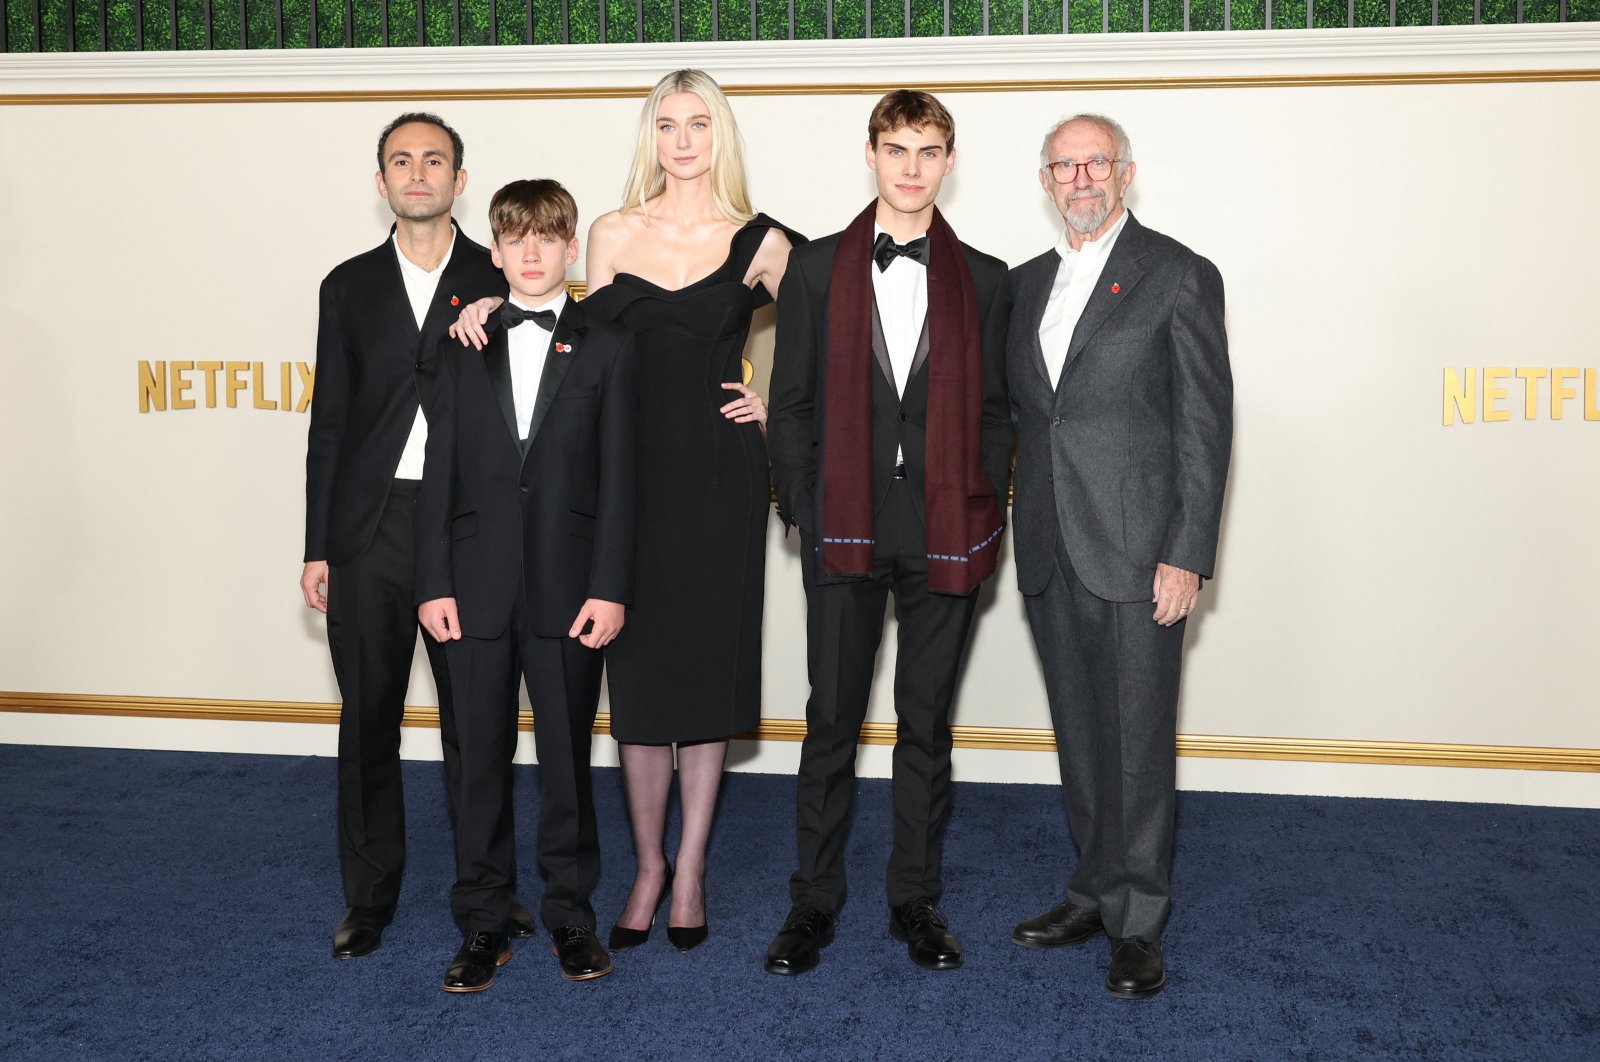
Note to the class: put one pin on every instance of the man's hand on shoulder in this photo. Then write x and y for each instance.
(1174, 594)
(313, 584)
(438, 617)
(470, 325)
(603, 618)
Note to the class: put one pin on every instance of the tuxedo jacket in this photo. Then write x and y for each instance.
(899, 422)
(552, 517)
(366, 396)
(1126, 458)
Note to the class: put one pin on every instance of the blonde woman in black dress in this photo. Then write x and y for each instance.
(683, 264)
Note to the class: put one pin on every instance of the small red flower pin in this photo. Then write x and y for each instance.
(1116, 289)
(454, 301)
(564, 348)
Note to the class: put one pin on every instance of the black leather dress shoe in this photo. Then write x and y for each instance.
(359, 932)
(687, 938)
(582, 957)
(1058, 927)
(520, 924)
(798, 945)
(927, 935)
(473, 968)
(1136, 969)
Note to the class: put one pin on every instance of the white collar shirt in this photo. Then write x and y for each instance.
(421, 284)
(528, 345)
(1075, 281)
(901, 292)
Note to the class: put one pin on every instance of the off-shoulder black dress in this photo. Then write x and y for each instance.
(687, 665)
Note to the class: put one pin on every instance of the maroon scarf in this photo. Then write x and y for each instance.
(963, 516)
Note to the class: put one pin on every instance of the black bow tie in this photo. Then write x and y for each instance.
(512, 315)
(885, 250)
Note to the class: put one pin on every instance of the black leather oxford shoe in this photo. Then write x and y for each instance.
(582, 957)
(798, 945)
(1058, 927)
(520, 923)
(359, 932)
(473, 968)
(927, 935)
(1136, 969)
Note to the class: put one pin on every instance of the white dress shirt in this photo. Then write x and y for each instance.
(529, 345)
(1075, 281)
(901, 292)
(421, 284)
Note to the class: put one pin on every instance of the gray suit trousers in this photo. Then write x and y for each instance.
(1111, 674)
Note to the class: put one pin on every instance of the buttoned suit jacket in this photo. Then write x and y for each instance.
(552, 517)
(899, 419)
(365, 400)
(1126, 458)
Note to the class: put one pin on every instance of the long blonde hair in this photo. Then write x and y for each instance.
(729, 188)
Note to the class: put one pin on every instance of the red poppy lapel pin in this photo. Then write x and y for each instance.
(1116, 289)
(563, 348)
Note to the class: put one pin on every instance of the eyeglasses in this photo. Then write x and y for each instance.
(1065, 171)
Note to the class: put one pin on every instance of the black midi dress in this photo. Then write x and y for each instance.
(687, 665)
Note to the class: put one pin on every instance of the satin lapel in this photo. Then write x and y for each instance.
(920, 357)
(1122, 272)
(880, 346)
(1032, 302)
(568, 333)
(497, 360)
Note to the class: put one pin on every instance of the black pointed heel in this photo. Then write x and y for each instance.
(622, 938)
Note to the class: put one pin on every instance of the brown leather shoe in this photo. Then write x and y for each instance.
(1058, 927)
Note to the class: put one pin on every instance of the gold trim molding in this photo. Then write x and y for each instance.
(863, 88)
(1021, 739)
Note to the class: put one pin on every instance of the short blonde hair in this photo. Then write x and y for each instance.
(729, 188)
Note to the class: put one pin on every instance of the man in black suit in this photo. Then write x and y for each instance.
(381, 314)
(524, 564)
(1118, 364)
(890, 439)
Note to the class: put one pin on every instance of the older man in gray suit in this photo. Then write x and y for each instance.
(1118, 367)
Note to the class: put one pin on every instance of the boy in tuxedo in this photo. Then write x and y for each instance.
(890, 436)
(525, 565)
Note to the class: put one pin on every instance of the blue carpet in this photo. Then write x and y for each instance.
(178, 906)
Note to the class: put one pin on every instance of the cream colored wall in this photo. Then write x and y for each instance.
(1382, 576)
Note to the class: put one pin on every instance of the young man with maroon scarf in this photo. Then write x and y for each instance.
(890, 434)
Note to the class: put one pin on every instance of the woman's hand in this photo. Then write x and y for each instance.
(469, 326)
(746, 408)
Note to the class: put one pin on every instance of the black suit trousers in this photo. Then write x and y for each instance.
(372, 633)
(1111, 675)
(844, 626)
(563, 680)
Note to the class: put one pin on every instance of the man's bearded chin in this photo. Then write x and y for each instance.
(1086, 223)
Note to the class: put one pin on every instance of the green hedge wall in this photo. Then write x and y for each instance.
(67, 25)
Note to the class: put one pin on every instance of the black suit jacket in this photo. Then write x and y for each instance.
(368, 353)
(556, 516)
(1126, 459)
(899, 422)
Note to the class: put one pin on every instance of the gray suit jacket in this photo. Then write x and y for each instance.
(1127, 458)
